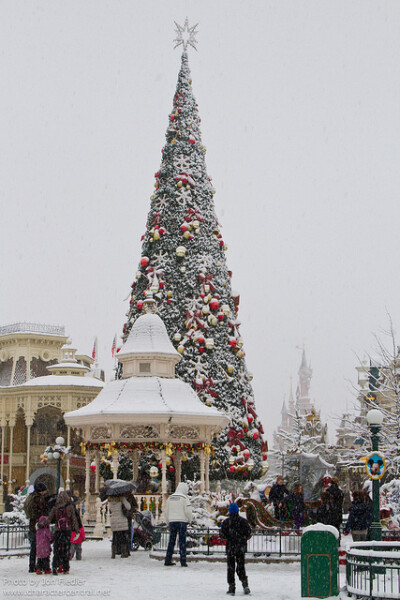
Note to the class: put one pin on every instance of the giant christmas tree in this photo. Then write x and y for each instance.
(183, 266)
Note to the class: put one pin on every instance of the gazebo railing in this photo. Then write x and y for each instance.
(151, 502)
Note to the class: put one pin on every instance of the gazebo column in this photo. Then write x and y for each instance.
(135, 465)
(87, 488)
(98, 528)
(114, 465)
(97, 472)
(202, 469)
(207, 473)
(178, 467)
(164, 475)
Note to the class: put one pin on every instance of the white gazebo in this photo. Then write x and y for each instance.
(147, 409)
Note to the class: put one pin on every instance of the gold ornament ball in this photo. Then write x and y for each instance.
(181, 349)
(179, 184)
(156, 235)
(177, 337)
(186, 235)
(230, 369)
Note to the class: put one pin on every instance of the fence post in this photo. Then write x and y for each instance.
(208, 541)
(280, 540)
(8, 534)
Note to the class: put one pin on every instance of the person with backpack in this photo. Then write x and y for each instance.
(44, 539)
(64, 516)
(35, 506)
(236, 530)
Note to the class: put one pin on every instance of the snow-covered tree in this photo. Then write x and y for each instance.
(183, 266)
(17, 516)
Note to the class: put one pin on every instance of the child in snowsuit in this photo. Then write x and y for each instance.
(44, 538)
(63, 515)
(236, 531)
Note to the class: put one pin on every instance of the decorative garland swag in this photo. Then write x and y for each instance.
(170, 448)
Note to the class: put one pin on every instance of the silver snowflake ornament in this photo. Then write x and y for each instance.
(185, 36)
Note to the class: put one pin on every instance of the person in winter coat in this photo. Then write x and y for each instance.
(360, 517)
(119, 508)
(44, 539)
(38, 508)
(64, 516)
(298, 508)
(277, 496)
(335, 499)
(76, 547)
(323, 514)
(177, 514)
(236, 531)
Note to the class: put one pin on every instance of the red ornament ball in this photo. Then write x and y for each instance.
(161, 230)
(139, 305)
(160, 465)
(214, 304)
(232, 469)
(250, 418)
(232, 343)
(201, 349)
(264, 457)
(161, 284)
(246, 453)
(145, 261)
(172, 117)
(221, 316)
(255, 435)
(171, 469)
(200, 339)
(184, 227)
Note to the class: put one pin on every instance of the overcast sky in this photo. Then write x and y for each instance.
(300, 112)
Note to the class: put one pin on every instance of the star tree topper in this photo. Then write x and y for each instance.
(186, 36)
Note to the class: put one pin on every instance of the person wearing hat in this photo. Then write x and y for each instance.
(38, 507)
(236, 531)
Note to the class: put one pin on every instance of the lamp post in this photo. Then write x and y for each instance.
(374, 419)
(57, 452)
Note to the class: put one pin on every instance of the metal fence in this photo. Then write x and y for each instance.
(264, 542)
(13, 537)
(373, 570)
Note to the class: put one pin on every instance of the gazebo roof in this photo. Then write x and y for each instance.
(148, 336)
(153, 399)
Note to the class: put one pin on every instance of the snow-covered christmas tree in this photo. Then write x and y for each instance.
(183, 266)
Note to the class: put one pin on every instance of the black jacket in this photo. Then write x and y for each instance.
(278, 493)
(335, 500)
(236, 531)
(360, 517)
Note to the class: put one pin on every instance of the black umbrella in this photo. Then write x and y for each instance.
(118, 487)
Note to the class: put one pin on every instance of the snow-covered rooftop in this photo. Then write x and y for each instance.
(148, 335)
(152, 396)
(62, 380)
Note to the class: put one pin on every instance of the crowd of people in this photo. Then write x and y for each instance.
(61, 510)
(291, 505)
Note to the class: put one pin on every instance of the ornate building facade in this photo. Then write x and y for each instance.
(41, 378)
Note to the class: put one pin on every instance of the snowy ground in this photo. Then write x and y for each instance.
(97, 576)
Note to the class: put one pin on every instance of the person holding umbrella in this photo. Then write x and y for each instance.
(119, 507)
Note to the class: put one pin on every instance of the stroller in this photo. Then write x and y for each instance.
(143, 532)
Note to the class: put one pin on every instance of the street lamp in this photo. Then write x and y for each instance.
(374, 419)
(57, 452)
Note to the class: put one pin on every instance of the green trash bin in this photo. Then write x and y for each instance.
(319, 562)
